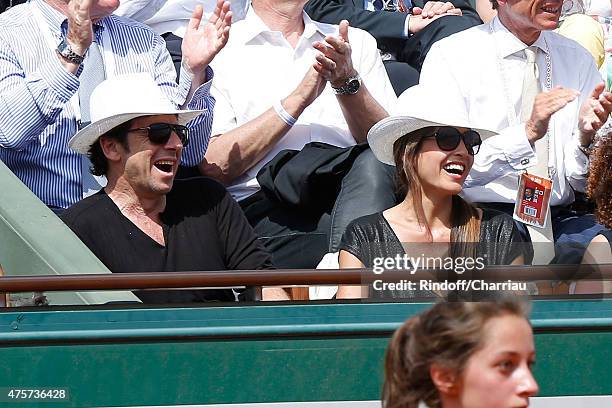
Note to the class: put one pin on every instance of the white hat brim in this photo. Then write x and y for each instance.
(82, 141)
(386, 132)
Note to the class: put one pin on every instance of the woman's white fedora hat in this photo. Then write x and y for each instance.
(416, 110)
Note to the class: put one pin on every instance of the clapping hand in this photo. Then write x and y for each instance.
(335, 63)
(80, 26)
(594, 112)
(545, 105)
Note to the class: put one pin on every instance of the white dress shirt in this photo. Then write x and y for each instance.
(258, 67)
(172, 16)
(473, 70)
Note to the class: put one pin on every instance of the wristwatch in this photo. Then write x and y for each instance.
(350, 87)
(65, 51)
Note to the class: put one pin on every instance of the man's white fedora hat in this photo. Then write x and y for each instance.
(120, 99)
(416, 110)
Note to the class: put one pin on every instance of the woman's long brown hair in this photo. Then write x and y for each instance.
(465, 231)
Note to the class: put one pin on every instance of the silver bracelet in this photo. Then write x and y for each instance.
(283, 114)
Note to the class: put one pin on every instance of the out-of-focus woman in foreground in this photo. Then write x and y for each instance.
(462, 355)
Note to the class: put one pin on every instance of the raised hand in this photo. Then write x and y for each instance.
(202, 42)
(594, 112)
(335, 63)
(544, 106)
(80, 25)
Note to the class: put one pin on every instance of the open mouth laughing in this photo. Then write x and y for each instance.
(454, 169)
(165, 166)
(551, 9)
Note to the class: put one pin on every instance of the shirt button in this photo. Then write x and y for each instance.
(525, 162)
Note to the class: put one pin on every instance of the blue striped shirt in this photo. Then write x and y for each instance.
(36, 118)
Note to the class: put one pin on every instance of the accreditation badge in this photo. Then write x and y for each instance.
(533, 200)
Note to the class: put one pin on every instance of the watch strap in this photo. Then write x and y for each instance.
(348, 88)
(66, 51)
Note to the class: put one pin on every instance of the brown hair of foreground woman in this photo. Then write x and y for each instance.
(462, 355)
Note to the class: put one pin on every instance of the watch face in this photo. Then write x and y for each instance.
(353, 86)
(62, 46)
(350, 87)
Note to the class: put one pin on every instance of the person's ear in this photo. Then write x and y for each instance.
(111, 148)
(445, 379)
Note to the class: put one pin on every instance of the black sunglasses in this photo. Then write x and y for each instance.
(448, 138)
(159, 133)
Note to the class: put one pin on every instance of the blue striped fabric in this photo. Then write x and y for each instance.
(36, 118)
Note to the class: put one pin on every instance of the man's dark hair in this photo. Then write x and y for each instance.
(494, 4)
(99, 162)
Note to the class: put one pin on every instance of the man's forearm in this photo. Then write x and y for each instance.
(197, 98)
(509, 152)
(361, 111)
(231, 154)
(199, 128)
(197, 80)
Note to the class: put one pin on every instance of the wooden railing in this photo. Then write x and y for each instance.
(118, 281)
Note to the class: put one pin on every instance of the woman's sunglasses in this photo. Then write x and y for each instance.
(159, 133)
(448, 138)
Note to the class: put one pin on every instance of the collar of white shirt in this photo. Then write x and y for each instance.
(508, 44)
(254, 27)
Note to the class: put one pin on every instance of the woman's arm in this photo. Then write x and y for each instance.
(598, 252)
(519, 260)
(348, 261)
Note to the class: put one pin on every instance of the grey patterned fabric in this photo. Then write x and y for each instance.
(372, 237)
